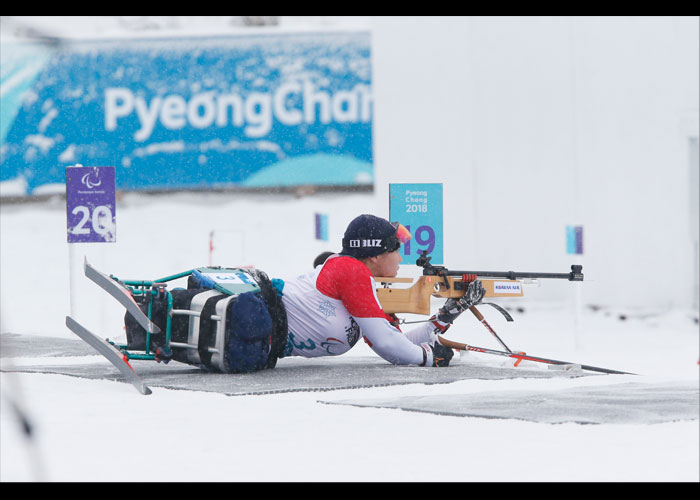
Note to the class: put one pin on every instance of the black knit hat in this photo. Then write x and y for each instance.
(369, 236)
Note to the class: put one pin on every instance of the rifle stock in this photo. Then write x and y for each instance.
(416, 298)
(438, 281)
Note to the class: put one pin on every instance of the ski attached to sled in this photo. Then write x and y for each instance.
(524, 357)
(110, 352)
(122, 294)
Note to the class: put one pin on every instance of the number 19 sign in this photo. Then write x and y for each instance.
(419, 208)
(90, 204)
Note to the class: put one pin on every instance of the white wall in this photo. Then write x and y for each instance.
(536, 123)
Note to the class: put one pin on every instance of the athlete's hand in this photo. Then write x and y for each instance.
(441, 354)
(454, 307)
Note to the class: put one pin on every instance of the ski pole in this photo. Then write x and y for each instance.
(466, 347)
(483, 321)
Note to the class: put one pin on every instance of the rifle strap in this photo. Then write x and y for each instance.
(500, 310)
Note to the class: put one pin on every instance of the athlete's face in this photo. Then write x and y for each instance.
(386, 265)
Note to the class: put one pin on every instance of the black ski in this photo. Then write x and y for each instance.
(123, 295)
(110, 352)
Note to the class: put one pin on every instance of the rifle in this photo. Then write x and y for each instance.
(438, 281)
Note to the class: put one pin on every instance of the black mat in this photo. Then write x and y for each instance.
(625, 403)
(290, 375)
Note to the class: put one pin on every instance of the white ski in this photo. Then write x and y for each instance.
(122, 295)
(110, 352)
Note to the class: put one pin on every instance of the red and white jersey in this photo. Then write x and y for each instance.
(329, 309)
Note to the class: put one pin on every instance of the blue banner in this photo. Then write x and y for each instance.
(419, 208)
(237, 111)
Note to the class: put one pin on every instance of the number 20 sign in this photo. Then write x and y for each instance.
(419, 208)
(90, 204)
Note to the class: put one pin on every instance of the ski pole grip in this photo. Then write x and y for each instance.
(476, 313)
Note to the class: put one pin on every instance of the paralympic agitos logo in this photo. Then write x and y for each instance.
(91, 180)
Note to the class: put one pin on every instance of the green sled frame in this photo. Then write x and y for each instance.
(219, 280)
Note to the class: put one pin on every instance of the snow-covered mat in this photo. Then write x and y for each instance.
(51, 355)
(14, 345)
(624, 403)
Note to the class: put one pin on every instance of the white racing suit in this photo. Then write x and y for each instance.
(329, 309)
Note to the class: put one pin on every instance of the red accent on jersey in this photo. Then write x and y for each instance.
(350, 281)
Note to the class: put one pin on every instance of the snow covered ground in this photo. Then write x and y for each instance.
(97, 430)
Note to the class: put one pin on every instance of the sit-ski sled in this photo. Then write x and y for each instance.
(227, 320)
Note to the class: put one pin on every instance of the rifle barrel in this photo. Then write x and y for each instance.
(574, 275)
(423, 261)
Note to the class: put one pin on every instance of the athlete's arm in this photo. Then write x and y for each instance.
(349, 280)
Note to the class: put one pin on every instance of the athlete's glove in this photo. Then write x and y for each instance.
(441, 354)
(452, 308)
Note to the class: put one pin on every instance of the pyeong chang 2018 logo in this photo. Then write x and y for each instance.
(292, 104)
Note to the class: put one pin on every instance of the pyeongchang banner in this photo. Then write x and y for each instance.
(252, 111)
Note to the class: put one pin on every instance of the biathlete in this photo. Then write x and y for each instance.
(329, 309)
(322, 313)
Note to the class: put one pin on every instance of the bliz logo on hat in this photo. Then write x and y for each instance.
(373, 243)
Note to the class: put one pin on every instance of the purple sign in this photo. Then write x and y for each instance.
(90, 204)
(574, 240)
